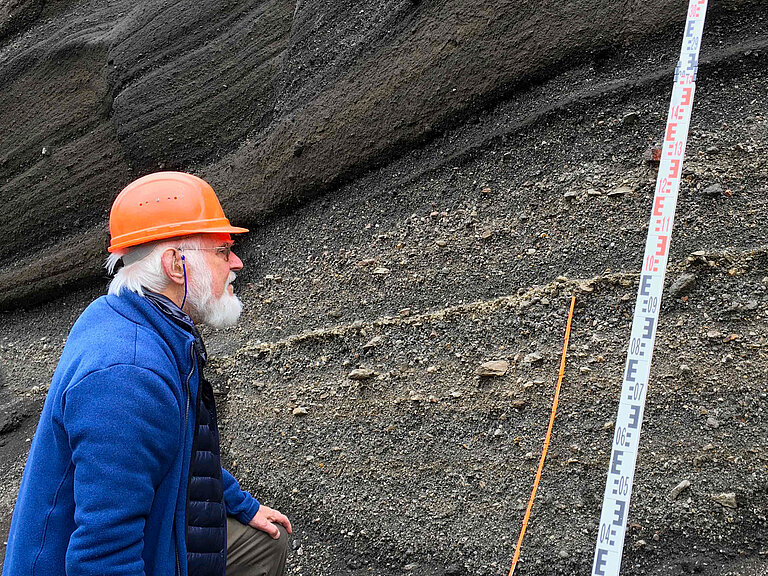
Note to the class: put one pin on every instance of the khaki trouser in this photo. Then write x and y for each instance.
(251, 552)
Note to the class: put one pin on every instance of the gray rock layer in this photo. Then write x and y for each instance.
(273, 102)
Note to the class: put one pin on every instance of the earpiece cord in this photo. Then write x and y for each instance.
(184, 267)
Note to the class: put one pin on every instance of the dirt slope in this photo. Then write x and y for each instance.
(467, 249)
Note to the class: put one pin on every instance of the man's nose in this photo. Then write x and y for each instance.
(234, 262)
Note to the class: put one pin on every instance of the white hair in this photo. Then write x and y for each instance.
(142, 265)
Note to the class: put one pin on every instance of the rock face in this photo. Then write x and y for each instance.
(273, 102)
(424, 467)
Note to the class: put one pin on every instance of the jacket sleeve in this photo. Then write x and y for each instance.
(123, 425)
(239, 503)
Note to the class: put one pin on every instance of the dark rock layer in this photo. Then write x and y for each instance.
(273, 103)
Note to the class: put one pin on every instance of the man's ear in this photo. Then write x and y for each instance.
(172, 266)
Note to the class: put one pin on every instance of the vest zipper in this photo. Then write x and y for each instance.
(186, 420)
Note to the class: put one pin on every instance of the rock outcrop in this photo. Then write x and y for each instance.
(273, 102)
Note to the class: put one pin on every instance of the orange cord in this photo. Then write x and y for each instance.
(546, 440)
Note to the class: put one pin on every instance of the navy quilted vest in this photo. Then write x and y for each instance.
(206, 514)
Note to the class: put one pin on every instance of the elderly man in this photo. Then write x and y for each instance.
(124, 474)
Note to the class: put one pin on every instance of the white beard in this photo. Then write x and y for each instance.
(221, 312)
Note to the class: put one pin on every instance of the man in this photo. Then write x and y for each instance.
(124, 475)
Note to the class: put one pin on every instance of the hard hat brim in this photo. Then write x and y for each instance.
(169, 231)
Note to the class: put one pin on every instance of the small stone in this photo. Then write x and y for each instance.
(620, 191)
(373, 342)
(485, 234)
(453, 570)
(593, 192)
(381, 271)
(532, 358)
(727, 499)
(712, 423)
(493, 368)
(563, 554)
(675, 492)
(486, 190)
(531, 251)
(570, 195)
(713, 190)
(682, 286)
(445, 271)
(713, 150)
(640, 544)
(455, 394)
(684, 368)
(609, 425)
(519, 402)
(46, 151)
(630, 118)
(652, 155)
(409, 567)
(441, 243)
(361, 374)
(300, 411)
(714, 334)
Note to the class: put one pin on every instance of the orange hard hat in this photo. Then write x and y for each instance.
(166, 205)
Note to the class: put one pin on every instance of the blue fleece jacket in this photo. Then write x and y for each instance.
(104, 488)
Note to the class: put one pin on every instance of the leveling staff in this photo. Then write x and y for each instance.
(124, 474)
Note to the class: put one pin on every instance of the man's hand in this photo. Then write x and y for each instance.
(265, 520)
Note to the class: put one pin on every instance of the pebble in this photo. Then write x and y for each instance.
(620, 191)
(361, 374)
(373, 342)
(727, 499)
(713, 190)
(441, 243)
(713, 423)
(683, 285)
(300, 411)
(532, 358)
(684, 368)
(675, 492)
(380, 271)
(563, 554)
(630, 118)
(493, 368)
(570, 195)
